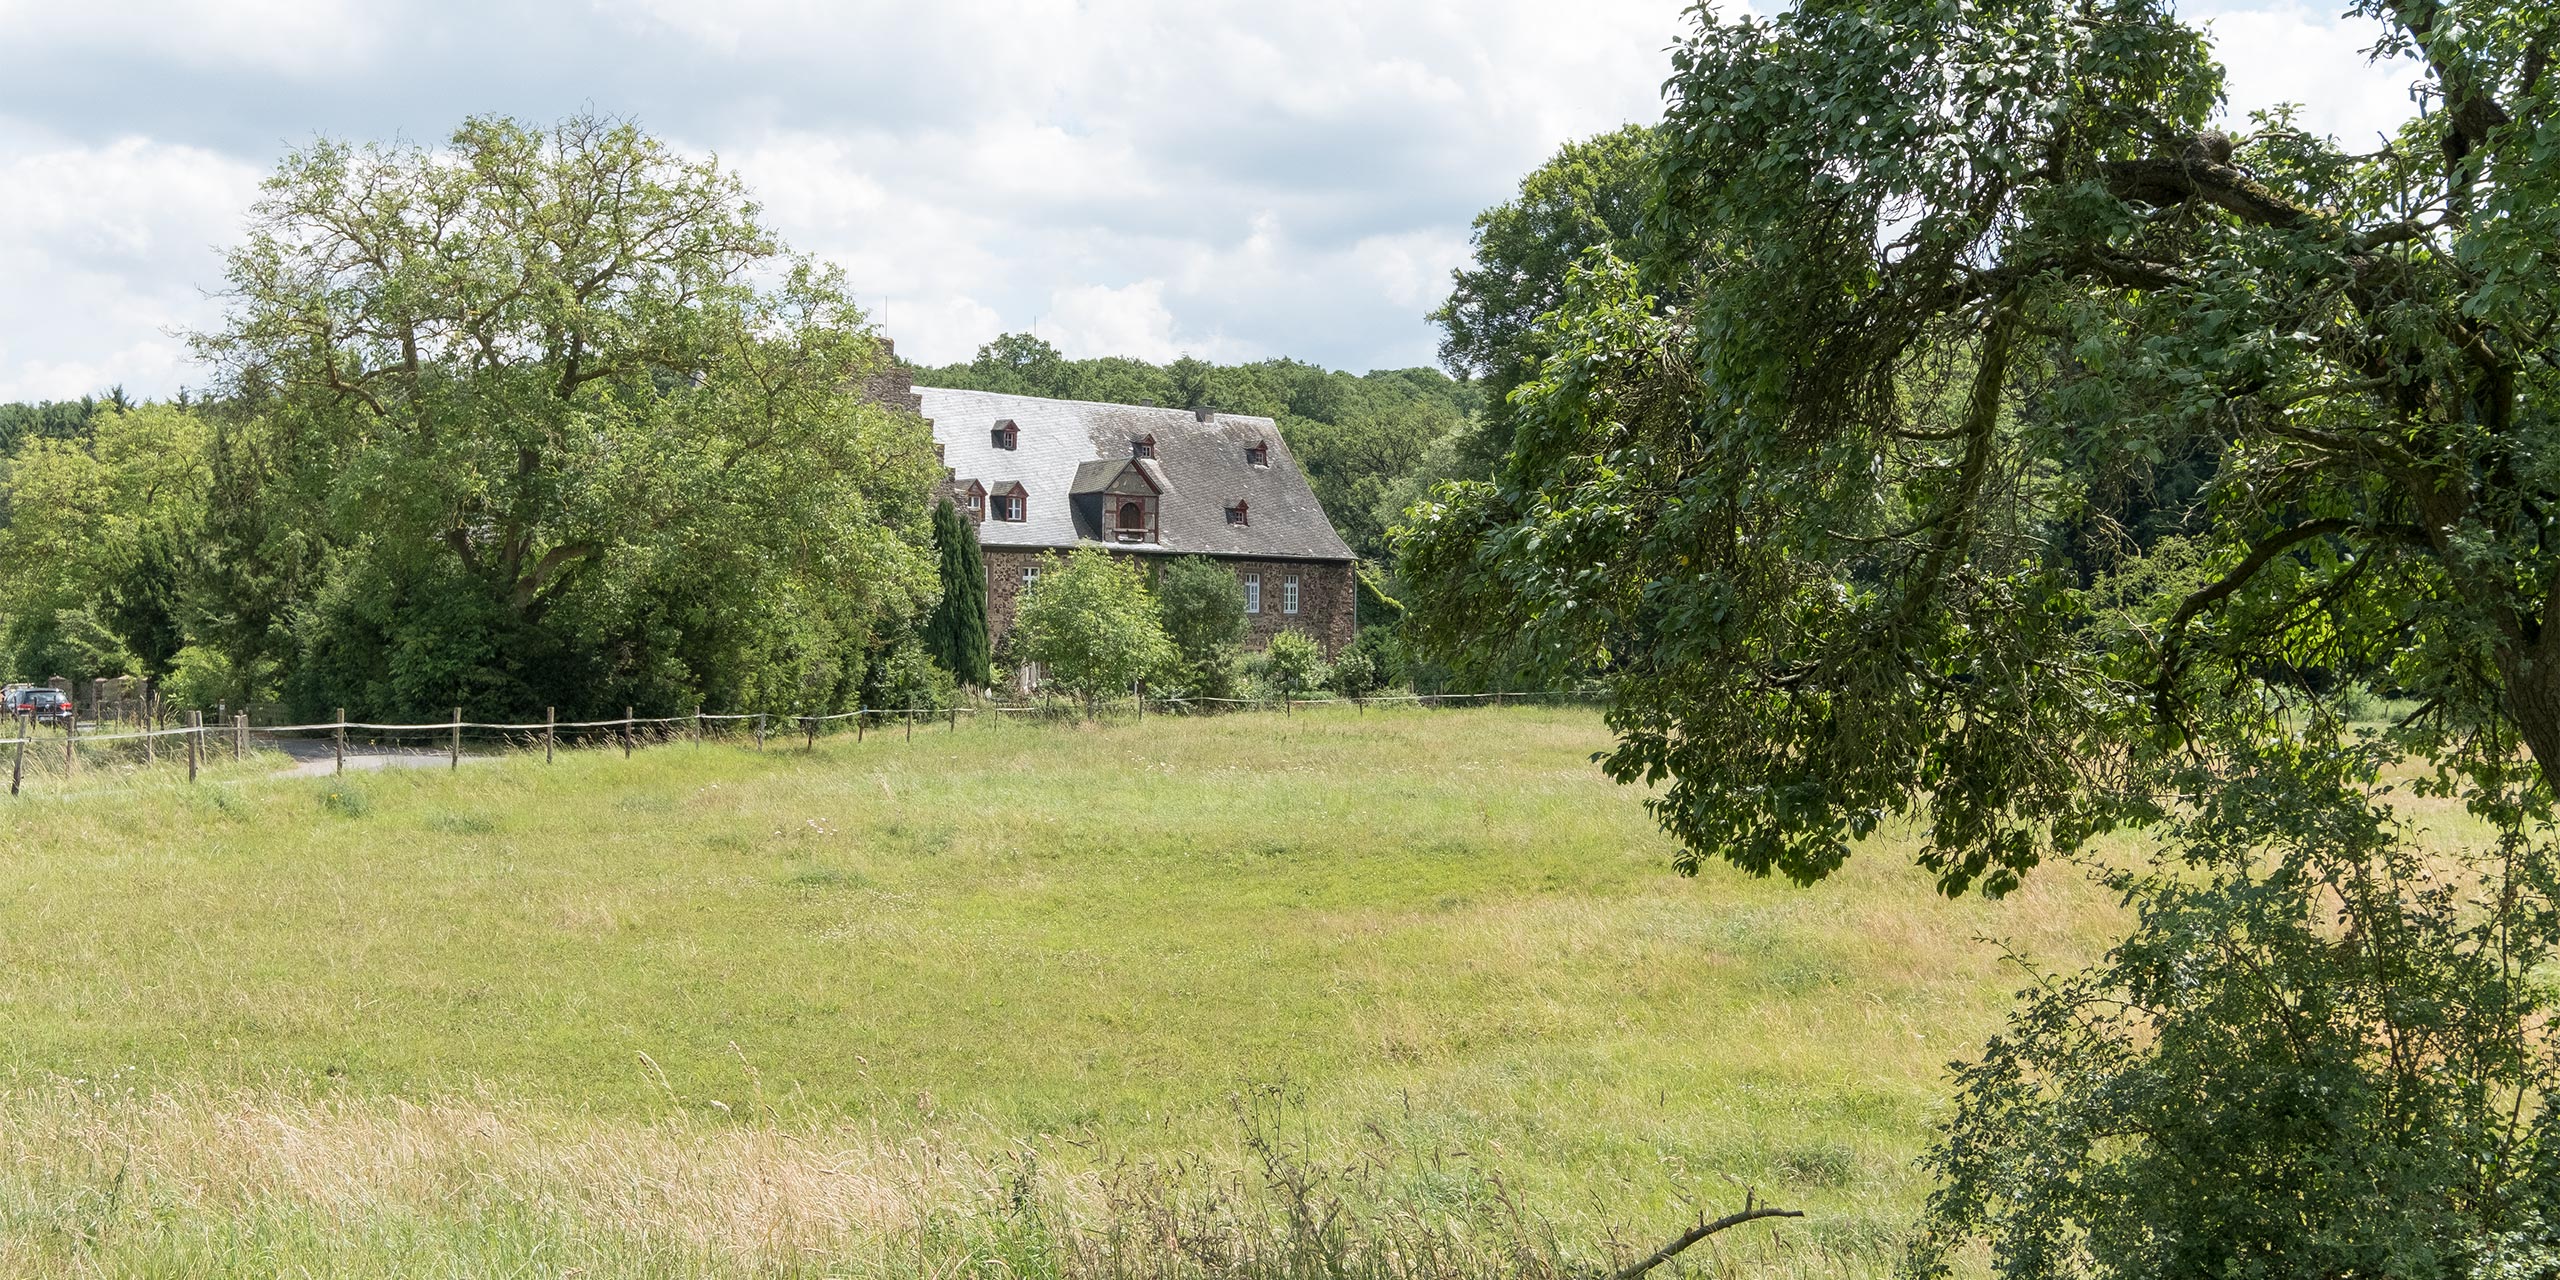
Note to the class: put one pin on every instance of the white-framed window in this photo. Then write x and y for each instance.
(1008, 506)
(1253, 593)
(1289, 594)
(1030, 576)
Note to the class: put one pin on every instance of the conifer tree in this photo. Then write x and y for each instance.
(956, 634)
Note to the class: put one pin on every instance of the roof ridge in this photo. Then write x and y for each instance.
(1192, 414)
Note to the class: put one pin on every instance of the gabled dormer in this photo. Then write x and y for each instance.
(1009, 501)
(1005, 435)
(1120, 501)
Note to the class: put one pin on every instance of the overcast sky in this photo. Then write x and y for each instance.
(1133, 177)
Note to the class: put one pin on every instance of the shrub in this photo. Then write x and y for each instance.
(2321, 1051)
(1293, 664)
(1368, 665)
(905, 677)
(202, 676)
(1202, 607)
(1091, 623)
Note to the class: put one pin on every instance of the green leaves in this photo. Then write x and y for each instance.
(1973, 434)
(1091, 623)
(2316, 1053)
(566, 372)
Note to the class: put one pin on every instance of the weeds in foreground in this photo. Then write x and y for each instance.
(101, 1179)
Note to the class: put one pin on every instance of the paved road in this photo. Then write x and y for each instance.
(313, 759)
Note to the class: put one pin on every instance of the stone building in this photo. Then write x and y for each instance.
(1042, 477)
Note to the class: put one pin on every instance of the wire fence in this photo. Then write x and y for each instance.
(230, 743)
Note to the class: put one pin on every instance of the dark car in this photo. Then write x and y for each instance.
(47, 706)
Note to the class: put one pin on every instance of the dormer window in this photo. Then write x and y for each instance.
(1257, 454)
(1236, 513)
(1005, 436)
(1142, 447)
(976, 497)
(1005, 502)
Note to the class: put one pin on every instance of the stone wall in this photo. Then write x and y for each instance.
(894, 386)
(1327, 596)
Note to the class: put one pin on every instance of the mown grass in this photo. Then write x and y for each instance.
(978, 1001)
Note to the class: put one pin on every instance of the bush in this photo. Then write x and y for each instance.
(906, 678)
(1368, 665)
(1202, 606)
(1090, 622)
(2321, 1051)
(202, 676)
(1293, 664)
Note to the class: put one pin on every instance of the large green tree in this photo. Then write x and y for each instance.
(1983, 434)
(1589, 196)
(1925, 288)
(1202, 605)
(98, 522)
(573, 426)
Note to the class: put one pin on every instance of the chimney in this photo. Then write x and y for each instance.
(1206, 415)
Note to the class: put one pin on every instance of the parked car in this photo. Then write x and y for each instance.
(47, 706)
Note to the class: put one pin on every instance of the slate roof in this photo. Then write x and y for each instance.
(1199, 466)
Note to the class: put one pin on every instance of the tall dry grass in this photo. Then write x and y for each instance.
(1350, 994)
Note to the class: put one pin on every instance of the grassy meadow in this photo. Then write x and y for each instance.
(1416, 988)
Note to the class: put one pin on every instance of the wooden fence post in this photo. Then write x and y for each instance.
(759, 731)
(955, 716)
(550, 725)
(195, 742)
(239, 737)
(150, 722)
(18, 766)
(338, 743)
(697, 724)
(859, 715)
(454, 758)
(70, 746)
(628, 729)
(911, 724)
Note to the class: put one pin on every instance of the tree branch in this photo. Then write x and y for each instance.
(2248, 568)
(550, 566)
(2199, 175)
(1750, 1213)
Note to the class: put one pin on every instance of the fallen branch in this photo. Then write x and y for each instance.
(1750, 1213)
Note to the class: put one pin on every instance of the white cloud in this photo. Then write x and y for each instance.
(1132, 320)
(2289, 53)
(110, 249)
(286, 37)
(1229, 178)
(938, 330)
